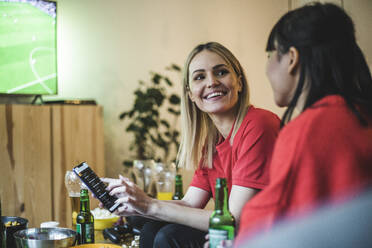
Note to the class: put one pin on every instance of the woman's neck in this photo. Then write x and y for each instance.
(224, 122)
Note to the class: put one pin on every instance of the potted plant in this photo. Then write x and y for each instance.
(153, 119)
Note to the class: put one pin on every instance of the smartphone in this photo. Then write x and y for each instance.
(96, 186)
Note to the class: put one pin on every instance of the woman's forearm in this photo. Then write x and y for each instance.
(177, 212)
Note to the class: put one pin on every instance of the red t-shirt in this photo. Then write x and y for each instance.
(246, 162)
(322, 155)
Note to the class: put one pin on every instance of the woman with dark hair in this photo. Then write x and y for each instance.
(223, 135)
(325, 153)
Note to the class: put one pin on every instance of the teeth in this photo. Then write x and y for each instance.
(214, 94)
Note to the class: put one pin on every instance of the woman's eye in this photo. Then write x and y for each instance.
(222, 72)
(198, 77)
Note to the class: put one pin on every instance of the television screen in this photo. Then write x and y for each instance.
(28, 52)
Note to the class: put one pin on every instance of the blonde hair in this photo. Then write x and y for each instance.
(199, 134)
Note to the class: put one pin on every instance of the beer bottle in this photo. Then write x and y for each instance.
(85, 220)
(2, 231)
(178, 191)
(221, 222)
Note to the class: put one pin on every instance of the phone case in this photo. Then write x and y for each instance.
(96, 186)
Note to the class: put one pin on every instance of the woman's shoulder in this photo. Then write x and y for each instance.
(257, 123)
(330, 111)
(260, 118)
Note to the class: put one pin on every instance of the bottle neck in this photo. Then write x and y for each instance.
(178, 185)
(222, 202)
(84, 201)
(179, 189)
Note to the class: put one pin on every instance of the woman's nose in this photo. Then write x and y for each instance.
(212, 81)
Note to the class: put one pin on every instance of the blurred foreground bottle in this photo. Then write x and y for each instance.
(178, 191)
(85, 220)
(2, 231)
(221, 222)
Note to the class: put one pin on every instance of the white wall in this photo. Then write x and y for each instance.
(106, 46)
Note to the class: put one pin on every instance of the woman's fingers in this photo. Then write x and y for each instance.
(108, 180)
(125, 210)
(120, 190)
(206, 244)
(123, 200)
(113, 183)
(126, 181)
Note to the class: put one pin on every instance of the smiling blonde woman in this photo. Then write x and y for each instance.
(222, 136)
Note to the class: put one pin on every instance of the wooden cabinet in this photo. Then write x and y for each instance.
(37, 145)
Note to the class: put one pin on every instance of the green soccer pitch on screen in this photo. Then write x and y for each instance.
(28, 52)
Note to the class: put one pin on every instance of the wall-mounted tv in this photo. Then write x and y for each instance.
(28, 47)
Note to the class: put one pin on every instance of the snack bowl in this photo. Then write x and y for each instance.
(16, 224)
(100, 224)
(97, 246)
(45, 238)
(103, 218)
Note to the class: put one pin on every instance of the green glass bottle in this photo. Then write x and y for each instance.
(178, 191)
(85, 220)
(221, 222)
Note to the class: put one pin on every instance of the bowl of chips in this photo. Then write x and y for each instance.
(103, 218)
(13, 224)
(98, 246)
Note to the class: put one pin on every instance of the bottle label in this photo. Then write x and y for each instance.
(216, 236)
(86, 233)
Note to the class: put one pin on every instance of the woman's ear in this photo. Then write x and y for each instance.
(240, 84)
(294, 58)
(190, 96)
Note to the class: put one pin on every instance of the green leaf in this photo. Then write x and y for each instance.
(165, 123)
(149, 122)
(155, 113)
(167, 80)
(139, 93)
(161, 142)
(132, 128)
(131, 113)
(128, 163)
(143, 105)
(175, 67)
(157, 95)
(156, 78)
(122, 115)
(153, 139)
(174, 99)
(171, 110)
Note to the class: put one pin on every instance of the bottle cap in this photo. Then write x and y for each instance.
(220, 182)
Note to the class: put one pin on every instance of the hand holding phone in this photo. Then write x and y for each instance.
(96, 186)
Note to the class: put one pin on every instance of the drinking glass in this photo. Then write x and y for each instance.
(143, 171)
(73, 185)
(165, 174)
